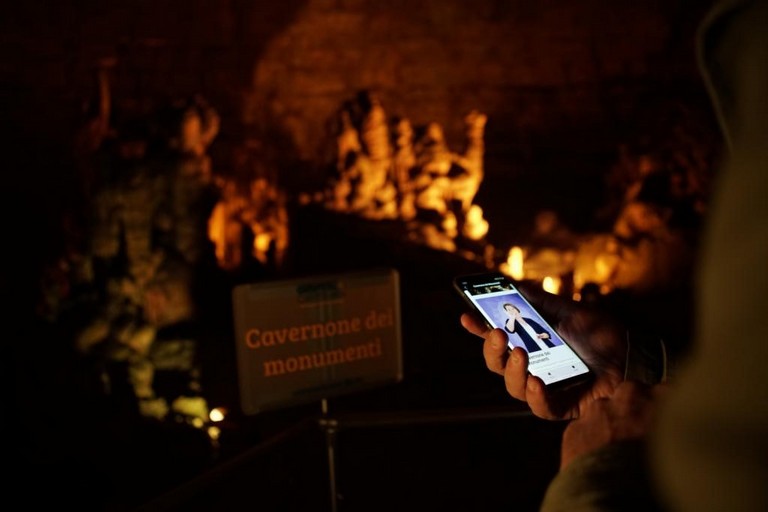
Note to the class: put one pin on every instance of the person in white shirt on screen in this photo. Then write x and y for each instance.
(533, 335)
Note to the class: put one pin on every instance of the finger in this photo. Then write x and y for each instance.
(495, 351)
(538, 400)
(516, 373)
(474, 324)
(530, 389)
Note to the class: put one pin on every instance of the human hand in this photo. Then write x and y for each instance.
(627, 414)
(595, 336)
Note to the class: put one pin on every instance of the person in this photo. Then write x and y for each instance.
(630, 374)
(692, 436)
(533, 335)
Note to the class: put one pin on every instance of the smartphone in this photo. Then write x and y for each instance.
(495, 296)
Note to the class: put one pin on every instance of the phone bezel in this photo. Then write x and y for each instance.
(481, 277)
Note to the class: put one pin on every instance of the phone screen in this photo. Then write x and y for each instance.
(495, 296)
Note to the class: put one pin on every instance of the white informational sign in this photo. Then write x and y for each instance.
(307, 339)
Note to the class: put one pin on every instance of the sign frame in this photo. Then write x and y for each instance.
(311, 338)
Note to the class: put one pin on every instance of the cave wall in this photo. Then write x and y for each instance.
(537, 69)
(553, 76)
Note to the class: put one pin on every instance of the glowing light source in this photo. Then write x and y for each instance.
(552, 284)
(515, 262)
(217, 414)
(214, 433)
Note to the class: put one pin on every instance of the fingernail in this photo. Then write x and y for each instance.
(496, 344)
(531, 385)
(515, 357)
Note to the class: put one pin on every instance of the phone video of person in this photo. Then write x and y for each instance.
(502, 305)
(525, 327)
